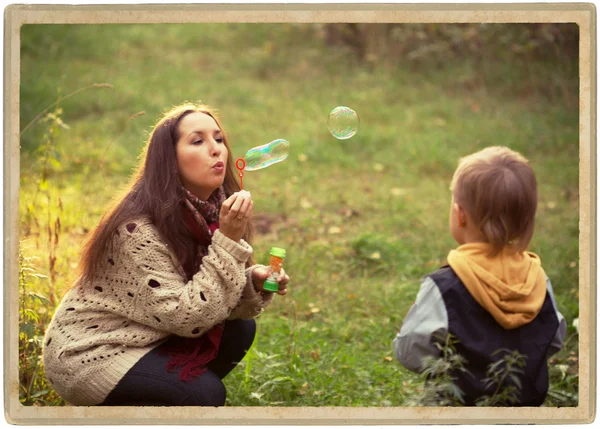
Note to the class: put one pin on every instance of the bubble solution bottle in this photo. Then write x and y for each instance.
(276, 258)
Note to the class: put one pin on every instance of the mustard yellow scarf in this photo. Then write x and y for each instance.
(511, 286)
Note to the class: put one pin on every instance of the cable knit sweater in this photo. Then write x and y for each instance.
(103, 327)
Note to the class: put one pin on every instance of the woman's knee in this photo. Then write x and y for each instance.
(249, 329)
(209, 393)
(240, 332)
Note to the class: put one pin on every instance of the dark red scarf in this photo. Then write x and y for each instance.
(193, 354)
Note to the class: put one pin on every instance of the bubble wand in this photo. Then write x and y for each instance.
(240, 164)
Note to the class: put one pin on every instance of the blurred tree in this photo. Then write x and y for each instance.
(398, 42)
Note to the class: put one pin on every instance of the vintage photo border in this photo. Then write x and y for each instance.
(584, 15)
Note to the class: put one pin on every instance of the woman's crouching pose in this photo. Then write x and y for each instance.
(162, 309)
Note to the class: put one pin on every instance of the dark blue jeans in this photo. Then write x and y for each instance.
(148, 383)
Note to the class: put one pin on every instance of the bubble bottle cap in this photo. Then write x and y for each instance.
(278, 251)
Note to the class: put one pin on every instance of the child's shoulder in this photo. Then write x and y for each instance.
(446, 280)
(444, 274)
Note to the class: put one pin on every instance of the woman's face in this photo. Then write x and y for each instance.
(201, 154)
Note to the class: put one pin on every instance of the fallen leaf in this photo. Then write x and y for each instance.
(315, 354)
(375, 255)
(378, 167)
(348, 212)
(387, 358)
(334, 230)
(371, 57)
(304, 203)
(315, 310)
(551, 204)
(573, 264)
(305, 386)
(398, 191)
(314, 329)
(302, 157)
(318, 393)
(351, 296)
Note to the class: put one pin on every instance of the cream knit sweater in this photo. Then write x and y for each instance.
(103, 327)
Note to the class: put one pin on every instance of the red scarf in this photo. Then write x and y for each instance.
(193, 354)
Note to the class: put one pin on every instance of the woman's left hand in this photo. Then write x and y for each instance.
(261, 273)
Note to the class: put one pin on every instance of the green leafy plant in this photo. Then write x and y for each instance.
(504, 374)
(564, 372)
(440, 389)
(33, 386)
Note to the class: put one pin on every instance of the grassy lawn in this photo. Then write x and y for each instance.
(362, 219)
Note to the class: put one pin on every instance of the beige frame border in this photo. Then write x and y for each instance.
(584, 14)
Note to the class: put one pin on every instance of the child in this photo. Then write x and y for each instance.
(493, 294)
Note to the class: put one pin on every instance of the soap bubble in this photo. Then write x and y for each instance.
(343, 122)
(267, 154)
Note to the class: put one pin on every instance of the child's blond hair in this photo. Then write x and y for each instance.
(498, 189)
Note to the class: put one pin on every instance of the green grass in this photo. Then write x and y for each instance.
(362, 219)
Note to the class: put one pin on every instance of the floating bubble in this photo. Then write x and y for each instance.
(267, 154)
(343, 122)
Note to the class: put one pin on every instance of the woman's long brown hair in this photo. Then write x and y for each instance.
(155, 192)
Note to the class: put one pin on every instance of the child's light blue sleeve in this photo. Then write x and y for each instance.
(559, 336)
(426, 319)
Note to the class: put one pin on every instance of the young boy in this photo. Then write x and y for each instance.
(493, 294)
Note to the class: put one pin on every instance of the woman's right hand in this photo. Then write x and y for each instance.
(235, 214)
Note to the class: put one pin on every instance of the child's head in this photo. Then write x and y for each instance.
(494, 199)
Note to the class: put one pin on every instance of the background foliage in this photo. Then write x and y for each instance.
(363, 219)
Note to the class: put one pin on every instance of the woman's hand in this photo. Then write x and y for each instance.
(235, 214)
(261, 273)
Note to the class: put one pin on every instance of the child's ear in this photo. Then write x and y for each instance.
(461, 215)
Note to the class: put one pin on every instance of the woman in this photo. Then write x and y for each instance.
(163, 307)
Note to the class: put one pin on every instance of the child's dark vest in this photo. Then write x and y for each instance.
(479, 336)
